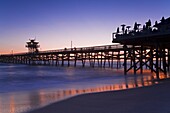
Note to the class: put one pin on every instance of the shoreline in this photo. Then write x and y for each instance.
(148, 99)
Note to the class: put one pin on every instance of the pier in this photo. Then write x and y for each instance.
(153, 44)
(147, 47)
(94, 56)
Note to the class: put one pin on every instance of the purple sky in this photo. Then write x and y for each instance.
(55, 23)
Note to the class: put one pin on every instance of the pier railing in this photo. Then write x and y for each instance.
(97, 48)
(79, 49)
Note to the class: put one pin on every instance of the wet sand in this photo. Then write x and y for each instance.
(150, 99)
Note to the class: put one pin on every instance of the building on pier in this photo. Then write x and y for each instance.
(32, 46)
(148, 35)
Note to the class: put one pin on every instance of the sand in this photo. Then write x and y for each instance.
(150, 99)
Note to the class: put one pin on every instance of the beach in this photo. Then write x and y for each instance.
(149, 99)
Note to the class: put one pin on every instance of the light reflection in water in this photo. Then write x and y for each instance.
(23, 101)
(12, 104)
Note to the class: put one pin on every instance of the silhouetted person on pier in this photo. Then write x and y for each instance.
(123, 28)
(148, 24)
(156, 23)
(138, 26)
(144, 27)
(117, 30)
(128, 27)
(163, 20)
(126, 31)
(135, 27)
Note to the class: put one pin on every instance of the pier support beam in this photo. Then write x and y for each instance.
(101, 59)
(168, 60)
(164, 61)
(141, 59)
(125, 60)
(75, 59)
(157, 61)
(62, 64)
(134, 60)
(112, 59)
(68, 59)
(83, 58)
(56, 63)
(151, 59)
(118, 60)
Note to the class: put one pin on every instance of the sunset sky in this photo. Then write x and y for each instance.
(55, 23)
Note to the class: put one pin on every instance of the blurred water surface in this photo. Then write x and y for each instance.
(24, 87)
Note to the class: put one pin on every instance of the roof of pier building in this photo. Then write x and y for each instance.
(32, 45)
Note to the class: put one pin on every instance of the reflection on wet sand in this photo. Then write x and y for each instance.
(20, 102)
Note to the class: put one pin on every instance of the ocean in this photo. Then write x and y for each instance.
(24, 87)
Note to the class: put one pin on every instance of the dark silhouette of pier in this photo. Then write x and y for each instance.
(95, 56)
(148, 46)
(153, 44)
